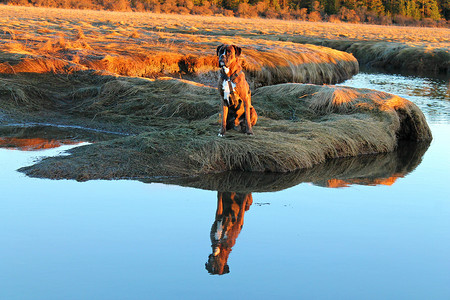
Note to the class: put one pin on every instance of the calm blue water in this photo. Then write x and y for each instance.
(131, 240)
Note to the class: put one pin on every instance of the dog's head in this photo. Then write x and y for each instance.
(217, 264)
(227, 54)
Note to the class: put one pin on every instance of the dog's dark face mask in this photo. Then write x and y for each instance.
(227, 54)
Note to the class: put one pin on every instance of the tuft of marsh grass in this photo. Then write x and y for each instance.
(21, 96)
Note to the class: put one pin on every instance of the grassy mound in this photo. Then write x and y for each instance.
(279, 63)
(176, 124)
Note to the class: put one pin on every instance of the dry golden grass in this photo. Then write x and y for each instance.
(93, 35)
(413, 57)
(125, 24)
(149, 45)
(84, 37)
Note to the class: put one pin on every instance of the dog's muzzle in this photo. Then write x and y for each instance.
(221, 62)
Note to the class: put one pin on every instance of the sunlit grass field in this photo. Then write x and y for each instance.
(126, 24)
(147, 44)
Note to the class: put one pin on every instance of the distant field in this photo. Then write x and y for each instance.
(95, 39)
(269, 29)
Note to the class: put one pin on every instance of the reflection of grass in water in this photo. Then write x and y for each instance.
(55, 133)
(372, 169)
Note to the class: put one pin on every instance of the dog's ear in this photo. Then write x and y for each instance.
(219, 49)
(237, 50)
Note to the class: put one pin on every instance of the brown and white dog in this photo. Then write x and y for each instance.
(238, 112)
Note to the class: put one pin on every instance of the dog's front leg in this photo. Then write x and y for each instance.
(247, 116)
(224, 120)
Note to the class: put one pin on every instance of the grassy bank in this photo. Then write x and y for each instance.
(391, 56)
(370, 169)
(175, 125)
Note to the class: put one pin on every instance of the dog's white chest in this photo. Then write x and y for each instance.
(226, 89)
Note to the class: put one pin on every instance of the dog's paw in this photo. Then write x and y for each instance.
(222, 132)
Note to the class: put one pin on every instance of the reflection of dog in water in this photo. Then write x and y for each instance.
(226, 228)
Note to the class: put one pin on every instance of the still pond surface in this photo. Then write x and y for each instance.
(374, 228)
